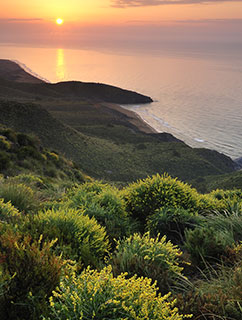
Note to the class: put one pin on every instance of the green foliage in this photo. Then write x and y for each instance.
(29, 180)
(229, 224)
(4, 143)
(4, 161)
(206, 245)
(218, 296)
(235, 194)
(145, 196)
(104, 203)
(148, 257)
(26, 140)
(8, 212)
(79, 237)
(21, 196)
(100, 296)
(29, 151)
(30, 272)
(9, 134)
(172, 222)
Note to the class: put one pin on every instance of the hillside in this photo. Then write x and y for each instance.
(138, 155)
(24, 154)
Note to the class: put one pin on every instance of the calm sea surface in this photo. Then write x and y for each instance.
(198, 94)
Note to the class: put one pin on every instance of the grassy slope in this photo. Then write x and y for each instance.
(137, 156)
(23, 154)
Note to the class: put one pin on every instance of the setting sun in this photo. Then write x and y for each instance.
(59, 21)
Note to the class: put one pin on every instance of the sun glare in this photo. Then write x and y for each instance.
(59, 21)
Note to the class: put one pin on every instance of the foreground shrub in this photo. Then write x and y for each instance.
(104, 203)
(144, 197)
(21, 196)
(148, 257)
(172, 222)
(100, 296)
(8, 212)
(30, 272)
(79, 237)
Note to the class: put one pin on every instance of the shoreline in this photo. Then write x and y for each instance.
(132, 117)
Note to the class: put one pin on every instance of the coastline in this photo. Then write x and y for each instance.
(132, 117)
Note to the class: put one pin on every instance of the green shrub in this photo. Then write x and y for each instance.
(4, 143)
(22, 197)
(28, 179)
(172, 222)
(29, 151)
(227, 194)
(100, 296)
(144, 197)
(9, 134)
(4, 161)
(206, 245)
(26, 140)
(148, 257)
(8, 212)
(104, 203)
(30, 272)
(79, 237)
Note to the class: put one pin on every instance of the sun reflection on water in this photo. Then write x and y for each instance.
(60, 65)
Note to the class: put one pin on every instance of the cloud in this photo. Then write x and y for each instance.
(20, 20)
(187, 21)
(143, 3)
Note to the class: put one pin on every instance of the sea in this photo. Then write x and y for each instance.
(197, 90)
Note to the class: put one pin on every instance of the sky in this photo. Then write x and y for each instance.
(119, 21)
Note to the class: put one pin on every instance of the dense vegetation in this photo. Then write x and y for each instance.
(76, 248)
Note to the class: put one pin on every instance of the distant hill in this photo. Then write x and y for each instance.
(13, 77)
(11, 71)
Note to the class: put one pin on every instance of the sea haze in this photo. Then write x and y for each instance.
(197, 89)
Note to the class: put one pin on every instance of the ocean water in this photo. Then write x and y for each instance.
(197, 93)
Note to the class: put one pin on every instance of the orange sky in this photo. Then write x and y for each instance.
(102, 11)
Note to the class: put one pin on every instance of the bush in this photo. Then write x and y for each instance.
(148, 257)
(7, 212)
(79, 237)
(144, 197)
(4, 161)
(105, 204)
(206, 245)
(100, 296)
(26, 140)
(28, 179)
(29, 151)
(21, 196)
(4, 143)
(172, 222)
(32, 271)
(9, 134)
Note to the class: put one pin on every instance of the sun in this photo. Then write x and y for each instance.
(59, 21)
